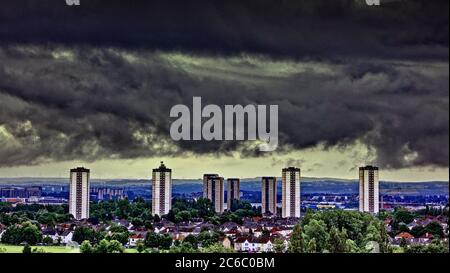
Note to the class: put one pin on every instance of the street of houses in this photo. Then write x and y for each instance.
(257, 234)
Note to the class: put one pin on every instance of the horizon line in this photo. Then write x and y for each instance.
(246, 178)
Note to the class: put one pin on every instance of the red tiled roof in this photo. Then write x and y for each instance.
(240, 240)
(137, 236)
(274, 229)
(404, 235)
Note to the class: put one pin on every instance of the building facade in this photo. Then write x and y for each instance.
(205, 183)
(369, 196)
(233, 191)
(215, 192)
(79, 193)
(161, 190)
(269, 195)
(290, 192)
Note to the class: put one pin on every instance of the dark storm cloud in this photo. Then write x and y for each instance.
(91, 103)
(98, 81)
(414, 29)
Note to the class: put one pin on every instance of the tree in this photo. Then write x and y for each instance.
(152, 240)
(84, 233)
(435, 247)
(372, 234)
(25, 232)
(118, 229)
(403, 243)
(278, 245)
(140, 246)
(206, 239)
(86, 247)
(192, 240)
(47, 240)
(217, 248)
(351, 246)
(338, 241)
(47, 218)
(115, 246)
(317, 230)
(205, 207)
(436, 229)
(384, 241)
(417, 231)
(26, 249)
(312, 246)
(137, 222)
(184, 215)
(402, 228)
(31, 233)
(148, 225)
(165, 241)
(297, 242)
(122, 237)
(102, 247)
(184, 247)
(403, 215)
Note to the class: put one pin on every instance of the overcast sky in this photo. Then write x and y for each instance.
(93, 85)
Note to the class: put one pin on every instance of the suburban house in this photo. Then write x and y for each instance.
(135, 238)
(62, 237)
(253, 244)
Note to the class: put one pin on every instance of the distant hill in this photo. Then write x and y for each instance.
(308, 185)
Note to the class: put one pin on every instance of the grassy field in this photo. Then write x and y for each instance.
(48, 249)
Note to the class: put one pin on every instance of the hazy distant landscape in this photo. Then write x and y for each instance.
(309, 185)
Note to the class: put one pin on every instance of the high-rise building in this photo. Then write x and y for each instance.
(215, 192)
(161, 190)
(205, 183)
(290, 192)
(233, 191)
(269, 195)
(369, 197)
(79, 193)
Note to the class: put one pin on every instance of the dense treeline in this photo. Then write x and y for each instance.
(336, 231)
(21, 234)
(186, 210)
(137, 210)
(43, 214)
(339, 231)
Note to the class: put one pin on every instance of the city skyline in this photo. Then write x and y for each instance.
(214, 190)
(346, 95)
(211, 127)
